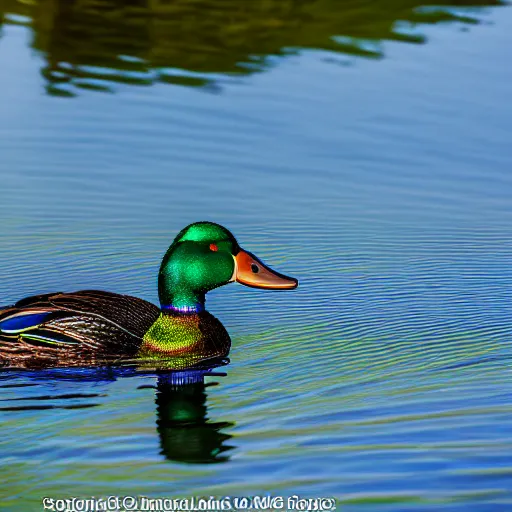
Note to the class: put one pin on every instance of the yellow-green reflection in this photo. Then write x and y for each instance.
(92, 44)
(182, 342)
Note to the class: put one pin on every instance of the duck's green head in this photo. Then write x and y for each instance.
(205, 256)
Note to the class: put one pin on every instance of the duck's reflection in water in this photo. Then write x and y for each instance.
(186, 434)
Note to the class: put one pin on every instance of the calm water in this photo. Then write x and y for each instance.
(363, 147)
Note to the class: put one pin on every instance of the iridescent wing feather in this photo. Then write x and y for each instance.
(73, 327)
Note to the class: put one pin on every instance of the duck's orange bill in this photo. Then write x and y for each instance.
(252, 272)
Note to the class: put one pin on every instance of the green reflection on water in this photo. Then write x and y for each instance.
(93, 44)
(185, 433)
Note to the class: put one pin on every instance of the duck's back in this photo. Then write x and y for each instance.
(71, 329)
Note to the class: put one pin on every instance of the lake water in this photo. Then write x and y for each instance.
(362, 147)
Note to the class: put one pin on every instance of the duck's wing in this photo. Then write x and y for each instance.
(86, 321)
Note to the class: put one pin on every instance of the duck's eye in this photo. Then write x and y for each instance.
(213, 247)
(255, 268)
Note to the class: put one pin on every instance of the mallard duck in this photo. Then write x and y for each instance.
(88, 327)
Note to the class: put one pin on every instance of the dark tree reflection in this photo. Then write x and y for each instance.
(95, 43)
